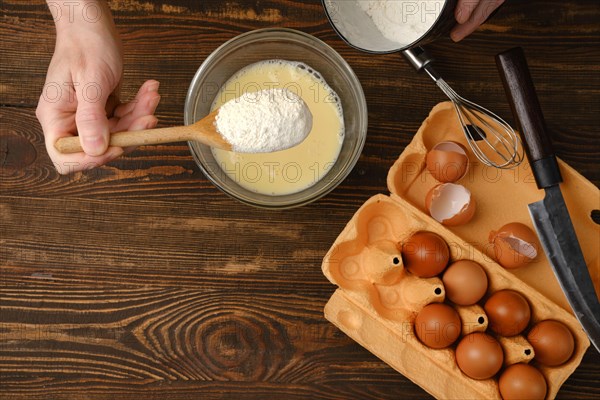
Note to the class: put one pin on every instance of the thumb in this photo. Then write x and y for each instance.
(92, 123)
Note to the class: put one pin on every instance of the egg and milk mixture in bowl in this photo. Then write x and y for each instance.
(304, 65)
(295, 169)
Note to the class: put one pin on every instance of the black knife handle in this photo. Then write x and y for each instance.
(526, 109)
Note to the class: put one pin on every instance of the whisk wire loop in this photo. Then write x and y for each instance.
(507, 145)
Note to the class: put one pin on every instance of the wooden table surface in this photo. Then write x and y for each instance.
(141, 280)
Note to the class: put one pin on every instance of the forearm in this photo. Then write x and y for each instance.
(72, 15)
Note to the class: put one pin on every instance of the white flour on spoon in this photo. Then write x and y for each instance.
(265, 121)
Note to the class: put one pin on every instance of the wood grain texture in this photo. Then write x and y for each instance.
(140, 279)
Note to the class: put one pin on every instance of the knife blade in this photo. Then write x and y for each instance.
(550, 216)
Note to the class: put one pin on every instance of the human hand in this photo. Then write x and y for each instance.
(82, 88)
(470, 14)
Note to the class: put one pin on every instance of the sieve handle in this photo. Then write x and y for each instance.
(420, 59)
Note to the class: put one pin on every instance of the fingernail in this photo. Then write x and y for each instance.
(153, 103)
(152, 124)
(94, 145)
(153, 87)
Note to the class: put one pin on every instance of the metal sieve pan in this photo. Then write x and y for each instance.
(357, 28)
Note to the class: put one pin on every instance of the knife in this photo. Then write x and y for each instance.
(550, 215)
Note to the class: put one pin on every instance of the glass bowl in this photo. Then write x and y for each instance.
(291, 45)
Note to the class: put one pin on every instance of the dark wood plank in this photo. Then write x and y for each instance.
(131, 340)
(156, 244)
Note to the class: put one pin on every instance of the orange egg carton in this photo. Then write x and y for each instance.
(377, 300)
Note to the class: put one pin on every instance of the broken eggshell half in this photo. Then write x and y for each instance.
(515, 245)
(450, 204)
(447, 161)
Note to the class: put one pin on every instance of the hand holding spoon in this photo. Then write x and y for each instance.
(258, 122)
(203, 131)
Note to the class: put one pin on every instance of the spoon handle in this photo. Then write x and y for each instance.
(72, 144)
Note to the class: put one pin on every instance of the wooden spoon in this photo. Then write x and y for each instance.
(203, 131)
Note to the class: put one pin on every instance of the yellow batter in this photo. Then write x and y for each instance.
(292, 170)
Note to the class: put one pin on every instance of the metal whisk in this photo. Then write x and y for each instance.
(487, 134)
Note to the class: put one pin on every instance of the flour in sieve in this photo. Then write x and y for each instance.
(264, 121)
(402, 21)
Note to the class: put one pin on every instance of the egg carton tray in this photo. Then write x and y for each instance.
(377, 300)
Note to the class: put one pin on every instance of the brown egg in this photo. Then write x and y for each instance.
(552, 342)
(508, 312)
(450, 204)
(479, 355)
(522, 381)
(447, 161)
(465, 282)
(515, 245)
(437, 325)
(425, 254)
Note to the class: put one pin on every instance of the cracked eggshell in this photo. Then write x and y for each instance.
(450, 204)
(447, 161)
(515, 245)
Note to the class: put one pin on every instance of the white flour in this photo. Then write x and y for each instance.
(264, 121)
(402, 21)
